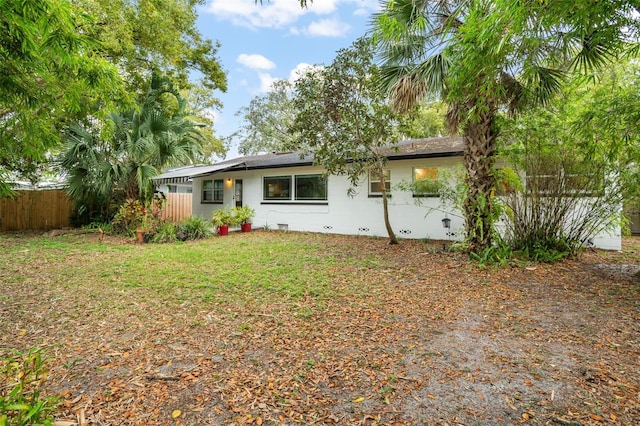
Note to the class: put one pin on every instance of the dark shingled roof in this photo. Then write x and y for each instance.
(447, 146)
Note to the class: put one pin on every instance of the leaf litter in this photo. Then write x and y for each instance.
(406, 335)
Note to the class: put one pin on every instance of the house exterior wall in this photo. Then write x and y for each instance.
(416, 218)
(341, 213)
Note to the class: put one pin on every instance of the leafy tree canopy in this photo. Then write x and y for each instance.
(483, 57)
(63, 62)
(154, 35)
(428, 120)
(114, 160)
(50, 74)
(266, 121)
(344, 119)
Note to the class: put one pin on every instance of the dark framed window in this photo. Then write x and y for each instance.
(311, 187)
(207, 191)
(277, 188)
(375, 184)
(218, 190)
(425, 182)
(213, 191)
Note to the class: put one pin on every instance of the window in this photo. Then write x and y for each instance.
(277, 188)
(551, 179)
(311, 187)
(425, 182)
(375, 185)
(212, 191)
(207, 191)
(218, 190)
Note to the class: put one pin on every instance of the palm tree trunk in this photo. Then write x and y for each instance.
(385, 207)
(479, 158)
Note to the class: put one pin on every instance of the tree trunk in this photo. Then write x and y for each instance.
(479, 158)
(385, 207)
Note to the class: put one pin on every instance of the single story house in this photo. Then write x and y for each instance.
(291, 193)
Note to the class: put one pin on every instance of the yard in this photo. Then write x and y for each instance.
(273, 328)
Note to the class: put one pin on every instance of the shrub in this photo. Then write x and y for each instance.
(166, 233)
(22, 378)
(194, 228)
(133, 215)
(129, 217)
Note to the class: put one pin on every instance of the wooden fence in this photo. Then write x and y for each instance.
(36, 210)
(177, 207)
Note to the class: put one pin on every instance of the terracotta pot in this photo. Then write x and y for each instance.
(223, 230)
(245, 227)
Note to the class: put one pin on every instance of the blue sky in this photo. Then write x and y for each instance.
(261, 43)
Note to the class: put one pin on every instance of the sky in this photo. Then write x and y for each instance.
(262, 43)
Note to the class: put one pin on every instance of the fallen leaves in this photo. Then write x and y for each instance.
(403, 334)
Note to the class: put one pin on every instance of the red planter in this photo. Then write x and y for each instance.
(223, 230)
(245, 227)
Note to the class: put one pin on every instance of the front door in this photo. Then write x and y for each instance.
(238, 196)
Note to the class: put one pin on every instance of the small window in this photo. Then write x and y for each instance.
(213, 191)
(375, 185)
(426, 183)
(207, 191)
(311, 187)
(218, 190)
(277, 188)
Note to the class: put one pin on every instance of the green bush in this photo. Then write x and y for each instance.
(545, 250)
(133, 215)
(166, 233)
(129, 217)
(22, 378)
(499, 254)
(194, 228)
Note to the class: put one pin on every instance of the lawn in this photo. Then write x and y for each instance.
(274, 328)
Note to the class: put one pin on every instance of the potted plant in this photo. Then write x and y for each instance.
(244, 215)
(222, 219)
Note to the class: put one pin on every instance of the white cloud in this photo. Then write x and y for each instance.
(300, 70)
(266, 81)
(286, 13)
(328, 28)
(271, 14)
(256, 62)
(366, 7)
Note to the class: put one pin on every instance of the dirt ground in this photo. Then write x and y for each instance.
(429, 339)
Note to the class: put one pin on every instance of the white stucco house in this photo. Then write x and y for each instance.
(289, 192)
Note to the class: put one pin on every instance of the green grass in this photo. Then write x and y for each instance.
(235, 269)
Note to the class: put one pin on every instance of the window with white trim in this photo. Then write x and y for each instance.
(375, 184)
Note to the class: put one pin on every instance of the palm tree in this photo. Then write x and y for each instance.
(484, 57)
(102, 171)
